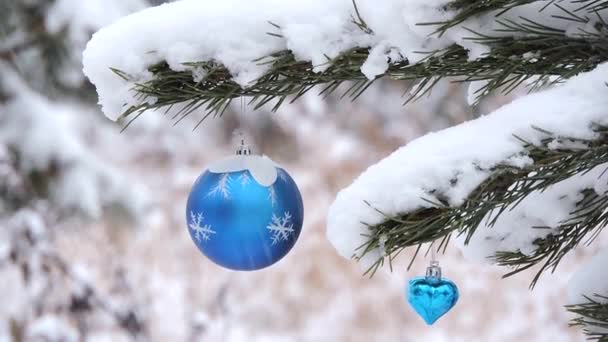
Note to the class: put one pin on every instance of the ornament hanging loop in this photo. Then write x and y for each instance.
(243, 149)
(433, 271)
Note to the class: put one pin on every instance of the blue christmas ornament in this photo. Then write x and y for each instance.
(432, 296)
(244, 212)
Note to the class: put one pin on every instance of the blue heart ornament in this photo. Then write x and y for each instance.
(432, 297)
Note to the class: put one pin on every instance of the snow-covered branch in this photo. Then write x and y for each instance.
(269, 50)
(460, 180)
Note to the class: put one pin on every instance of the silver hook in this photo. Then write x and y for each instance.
(243, 149)
(433, 271)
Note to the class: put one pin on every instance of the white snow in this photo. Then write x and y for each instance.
(235, 33)
(453, 162)
(538, 215)
(589, 281)
(75, 20)
(262, 168)
(49, 327)
(82, 16)
(475, 92)
(45, 134)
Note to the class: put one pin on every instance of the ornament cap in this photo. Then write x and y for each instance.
(244, 149)
(433, 271)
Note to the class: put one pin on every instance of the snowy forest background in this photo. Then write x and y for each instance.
(93, 244)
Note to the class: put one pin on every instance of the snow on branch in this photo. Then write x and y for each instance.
(458, 179)
(588, 297)
(206, 53)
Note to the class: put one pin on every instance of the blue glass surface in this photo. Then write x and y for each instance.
(241, 225)
(431, 297)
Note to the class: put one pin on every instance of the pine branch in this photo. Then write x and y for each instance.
(359, 21)
(466, 9)
(504, 189)
(593, 317)
(506, 66)
(592, 5)
(217, 89)
(587, 220)
(540, 54)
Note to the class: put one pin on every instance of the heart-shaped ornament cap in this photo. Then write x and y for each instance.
(432, 297)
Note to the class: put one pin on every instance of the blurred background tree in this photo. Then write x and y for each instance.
(50, 173)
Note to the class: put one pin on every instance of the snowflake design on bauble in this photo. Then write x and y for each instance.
(244, 179)
(281, 228)
(272, 196)
(222, 187)
(200, 231)
(282, 175)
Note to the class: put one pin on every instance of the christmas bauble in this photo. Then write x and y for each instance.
(432, 296)
(245, 212)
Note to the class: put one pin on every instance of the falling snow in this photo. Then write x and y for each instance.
(222, 187)
(280, 227)
(200, 231)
